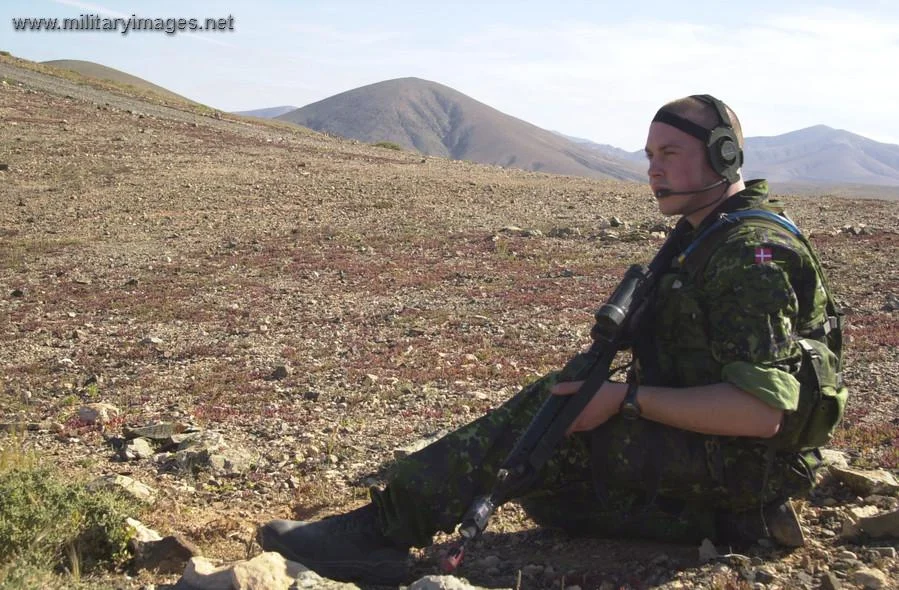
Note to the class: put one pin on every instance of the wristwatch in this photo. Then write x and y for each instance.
(630, 408)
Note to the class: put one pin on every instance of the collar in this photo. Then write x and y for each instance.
(752, 197)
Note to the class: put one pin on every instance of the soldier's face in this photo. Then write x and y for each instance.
(677, 162)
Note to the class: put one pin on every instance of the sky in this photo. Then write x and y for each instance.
(597, 70)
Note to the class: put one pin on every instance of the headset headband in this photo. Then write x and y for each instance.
(722, 148)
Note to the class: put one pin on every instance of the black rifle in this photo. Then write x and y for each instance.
(612, 332)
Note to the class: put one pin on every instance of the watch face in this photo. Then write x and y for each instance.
(630, 410)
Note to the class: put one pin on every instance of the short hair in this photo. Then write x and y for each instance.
(704, 114)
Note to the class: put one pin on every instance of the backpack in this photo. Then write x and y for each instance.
(822, 395)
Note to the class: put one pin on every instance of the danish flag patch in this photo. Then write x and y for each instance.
(762, 255)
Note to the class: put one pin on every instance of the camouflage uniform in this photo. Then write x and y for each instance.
(733, 322)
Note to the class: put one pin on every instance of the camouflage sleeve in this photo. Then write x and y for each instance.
(752, 312)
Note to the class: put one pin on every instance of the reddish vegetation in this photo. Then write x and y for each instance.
(167, 262)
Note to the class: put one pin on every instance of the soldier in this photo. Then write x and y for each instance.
(683, 451)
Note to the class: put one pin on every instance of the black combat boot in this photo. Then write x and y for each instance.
(347, 547)
(780, 525)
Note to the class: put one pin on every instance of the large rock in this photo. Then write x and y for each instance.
(442, 583)
(208, 451)
(159, 432)
(881, 525)
(98, 413)
(867, 482)
(870, 578)
(266, 571)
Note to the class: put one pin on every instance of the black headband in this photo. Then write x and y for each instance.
(685, 125)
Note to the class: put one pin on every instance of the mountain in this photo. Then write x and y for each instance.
(822, 155)
(805, 160)
(606, 149)
(101, 72)
(437, 120)
(269, 113)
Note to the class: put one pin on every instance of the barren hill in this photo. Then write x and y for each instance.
(437, 120)
(101, 72)
(821, 154)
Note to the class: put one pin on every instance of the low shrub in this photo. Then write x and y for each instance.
(388, 145)
(50, 523)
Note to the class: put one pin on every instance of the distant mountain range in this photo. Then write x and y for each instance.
(437, 120)
(269, 113)
(815, 156)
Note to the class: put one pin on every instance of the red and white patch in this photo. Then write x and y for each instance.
(763, 255)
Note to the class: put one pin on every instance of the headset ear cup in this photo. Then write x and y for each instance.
(724, 153)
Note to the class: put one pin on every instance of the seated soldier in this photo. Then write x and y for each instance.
(681, 452)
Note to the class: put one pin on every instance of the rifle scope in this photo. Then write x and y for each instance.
(613, 312)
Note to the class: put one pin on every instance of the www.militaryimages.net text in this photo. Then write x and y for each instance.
(134, 23)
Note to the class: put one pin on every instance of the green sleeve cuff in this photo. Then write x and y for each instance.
(776, 388)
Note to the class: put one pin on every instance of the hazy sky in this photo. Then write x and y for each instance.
(596, 69)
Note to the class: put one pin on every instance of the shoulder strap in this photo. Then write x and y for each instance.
(697, 254)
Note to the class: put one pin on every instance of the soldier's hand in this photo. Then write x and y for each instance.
(601, 407)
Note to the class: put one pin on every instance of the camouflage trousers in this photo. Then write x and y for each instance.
(627, 478)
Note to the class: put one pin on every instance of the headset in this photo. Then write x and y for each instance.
(722, 147)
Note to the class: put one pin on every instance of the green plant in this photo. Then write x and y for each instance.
(52, 523)
(388, 145)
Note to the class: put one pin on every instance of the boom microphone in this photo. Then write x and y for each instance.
(664, 192)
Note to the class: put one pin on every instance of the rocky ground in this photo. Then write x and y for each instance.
(309, 306)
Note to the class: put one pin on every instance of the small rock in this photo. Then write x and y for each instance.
(892, 303)
(765, 575)
(867, 482)
(707, 551)
(833, 457)
(168, 555)
(830, 582)
(98, 413)
(141, 532)
(17, 293)
(853, 517)
(137, 449)
(280, 372)
(134, 488)
(867, 577)
(888, 552)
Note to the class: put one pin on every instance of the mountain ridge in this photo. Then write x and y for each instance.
(440, 121)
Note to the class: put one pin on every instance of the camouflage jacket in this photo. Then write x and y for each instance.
(736, 320)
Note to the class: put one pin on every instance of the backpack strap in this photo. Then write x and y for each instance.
(695, 257)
